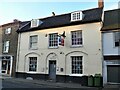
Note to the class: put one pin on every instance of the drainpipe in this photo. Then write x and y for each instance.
(0, 66)
(11, 64)
(65, 67)
(18, 52)
(104, 68)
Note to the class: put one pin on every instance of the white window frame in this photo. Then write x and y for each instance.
(6, 46)
(52, 40)
(78, 37)
(117, 38)
(33, 42)
(35, 23)
(32, 65)
(76, 16)
(75, 60)
(8, 30)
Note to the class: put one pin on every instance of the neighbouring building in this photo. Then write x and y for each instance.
(0, 43)
(111, 46)
(61, 47)
(8, 47)
(0, 40)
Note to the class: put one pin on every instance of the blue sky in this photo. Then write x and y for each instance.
(24, 10)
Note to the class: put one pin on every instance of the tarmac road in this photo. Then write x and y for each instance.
(21, 84)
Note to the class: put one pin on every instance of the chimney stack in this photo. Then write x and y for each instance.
(15, 20)
(100, 3)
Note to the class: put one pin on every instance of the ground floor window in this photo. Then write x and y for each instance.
(77, 67)
(32, 63)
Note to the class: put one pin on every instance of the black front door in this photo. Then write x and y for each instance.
(52, 70)
(113, 74)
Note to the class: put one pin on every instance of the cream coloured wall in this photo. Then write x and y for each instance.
(91, 50)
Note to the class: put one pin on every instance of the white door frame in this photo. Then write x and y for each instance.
(11, 63)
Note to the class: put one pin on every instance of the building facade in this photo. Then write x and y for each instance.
(111, 46)
(61, 46)
(8, 47)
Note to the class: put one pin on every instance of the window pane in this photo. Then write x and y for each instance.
(76, 37)
(33, 41)
(53, 40)
(32, 63)
(8, 31)
(6, 46)
(117, 39)
(76, 64)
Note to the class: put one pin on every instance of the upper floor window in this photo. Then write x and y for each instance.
(33, 42)
(32, 63)
(75, 16)
(35, 23)
(117, 39)
(53, 40)
(76, 38)
(8, 31)
(77, 67)
(6, 47)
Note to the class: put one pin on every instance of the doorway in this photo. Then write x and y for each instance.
(52, 70)
(6, 67)
(113, 73)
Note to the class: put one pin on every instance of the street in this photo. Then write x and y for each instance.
(14, 83)
(17, 83)
(21, 84)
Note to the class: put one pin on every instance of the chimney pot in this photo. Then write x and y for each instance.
(53, 13)
(15, 20)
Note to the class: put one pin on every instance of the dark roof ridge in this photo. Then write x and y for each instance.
(112, 10)
(9, 23)
(25, 24)
(91, 15)
(68, 13)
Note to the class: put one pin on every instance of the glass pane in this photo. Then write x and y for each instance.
(76, 64)
(33, 64)
(53, 40)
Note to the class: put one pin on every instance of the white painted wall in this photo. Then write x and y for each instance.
(91, 50)
(108, 44)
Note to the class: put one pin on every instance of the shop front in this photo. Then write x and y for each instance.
(6, 64)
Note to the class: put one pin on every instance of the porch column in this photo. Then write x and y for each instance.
(11, 62)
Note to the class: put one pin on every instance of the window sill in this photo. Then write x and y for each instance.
(53, 47)
(32, 72)
(7, 33)
(79, 75)
(76, 46)
(33, 48)
(5, 52)
(116, 46)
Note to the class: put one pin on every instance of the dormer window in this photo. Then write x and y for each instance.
(76, 16)
(35, 22)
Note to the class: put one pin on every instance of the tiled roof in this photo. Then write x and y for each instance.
(111, 20)
(91, 15)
